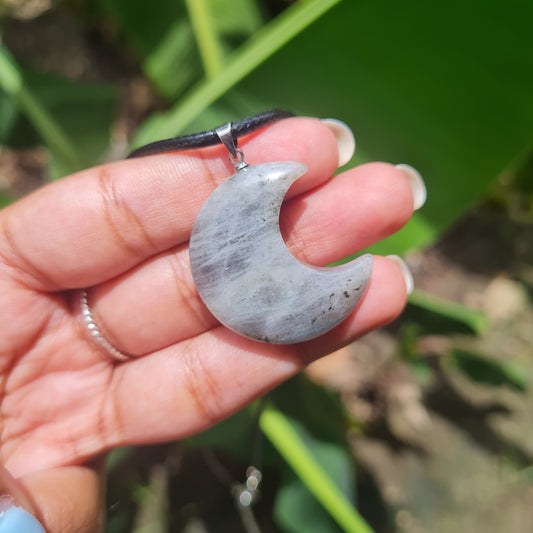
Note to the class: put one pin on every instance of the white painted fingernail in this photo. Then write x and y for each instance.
(16, 520)
(417, 184)
(344, 137)
(406, 272)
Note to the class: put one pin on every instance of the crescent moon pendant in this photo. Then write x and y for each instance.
(247, 277)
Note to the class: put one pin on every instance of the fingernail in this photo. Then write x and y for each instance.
(406, 272)
(16, 520)
(344, 137)
(417, 185)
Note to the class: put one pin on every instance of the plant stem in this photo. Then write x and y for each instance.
(265, 43)
(12, 82)
(286, 440)
(206, 36)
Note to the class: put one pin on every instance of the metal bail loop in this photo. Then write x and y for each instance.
(226, 137)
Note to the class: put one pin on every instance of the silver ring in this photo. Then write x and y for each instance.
(96, 333)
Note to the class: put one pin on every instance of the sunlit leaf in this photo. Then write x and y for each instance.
(319, 410)
(311, 436)
(85, 111)
(14, 85)
(481, 369)
(418, 82)
(261, 46)
(435, 315)
(286, 436)
(296, 509)
(165, 40)
(72, 119)
(5, 199)
(236, 17)
(173, 64)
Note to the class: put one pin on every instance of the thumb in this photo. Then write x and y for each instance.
(58, 500)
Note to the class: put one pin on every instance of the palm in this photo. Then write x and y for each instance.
(122, 230)
(55, 387)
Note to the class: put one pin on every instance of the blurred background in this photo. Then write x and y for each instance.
(425, 425)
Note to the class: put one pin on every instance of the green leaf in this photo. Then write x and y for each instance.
(85, 111)
(420, 83)
(142, 27)
(267, 41)
(319, 418)
(421, 371)
(434, 315)
(5, 199)
(117, 456)
(286, 439)
(319, 410)
(236, 19)
(408, 91)
(481, 369)
(173, 64)
(165, 41)
(8, 116)
(235, 435)
(13, 84)
(295, 508)
(206, 36)
(72, 118)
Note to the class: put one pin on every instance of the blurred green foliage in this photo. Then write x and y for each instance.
(446, 87)
(483, 370)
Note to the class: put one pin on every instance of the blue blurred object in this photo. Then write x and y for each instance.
(17, 520)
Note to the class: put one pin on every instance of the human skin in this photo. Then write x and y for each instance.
(122, 231)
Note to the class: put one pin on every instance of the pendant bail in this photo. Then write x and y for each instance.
(227, 138)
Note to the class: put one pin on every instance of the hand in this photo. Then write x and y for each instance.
(122, 230)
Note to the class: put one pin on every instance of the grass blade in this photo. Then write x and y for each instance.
(11, 81)
(206, 36)
(259, 48)
(286, 440)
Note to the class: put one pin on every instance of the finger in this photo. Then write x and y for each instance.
(191, 386)
(95, 225)
(69, 498)
(156, 304)
(356, 209)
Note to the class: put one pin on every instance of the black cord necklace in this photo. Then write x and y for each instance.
(210, 138)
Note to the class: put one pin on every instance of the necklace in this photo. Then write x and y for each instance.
(242, 269)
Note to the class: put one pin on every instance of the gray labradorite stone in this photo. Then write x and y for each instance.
(246, 275)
